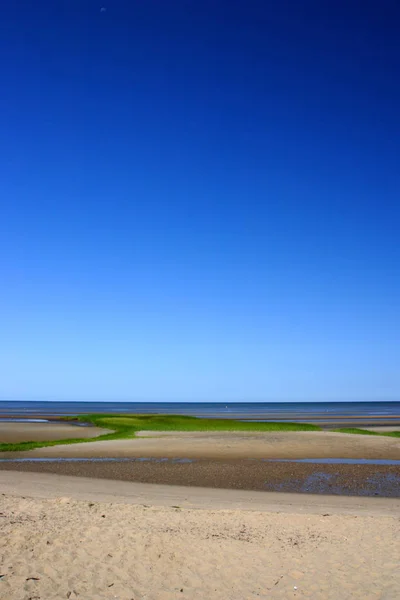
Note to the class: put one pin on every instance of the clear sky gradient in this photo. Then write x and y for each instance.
(200, 200)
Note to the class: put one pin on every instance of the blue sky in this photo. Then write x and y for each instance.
(199, 200)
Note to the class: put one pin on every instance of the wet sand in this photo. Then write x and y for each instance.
(235, 460)
(66, 537)
(230, 445)
(31, 432)
(44, 485)
(344, 479)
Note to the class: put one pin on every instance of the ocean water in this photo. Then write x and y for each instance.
(319, 411)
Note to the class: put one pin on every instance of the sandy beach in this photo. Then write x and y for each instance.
(192, 514)
(66, 537)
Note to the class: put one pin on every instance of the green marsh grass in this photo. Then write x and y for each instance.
(126, 426)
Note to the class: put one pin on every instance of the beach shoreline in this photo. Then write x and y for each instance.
(262, 476)
(55, 486)
(334, 463)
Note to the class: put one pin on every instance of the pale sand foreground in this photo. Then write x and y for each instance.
(299, 444)
(31, 432)
(104, 540)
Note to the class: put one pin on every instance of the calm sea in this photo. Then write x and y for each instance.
(245, 410)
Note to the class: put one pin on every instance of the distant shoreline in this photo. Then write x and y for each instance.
(321, 420)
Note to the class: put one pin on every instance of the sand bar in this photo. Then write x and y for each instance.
(231, 445)
(31, 432)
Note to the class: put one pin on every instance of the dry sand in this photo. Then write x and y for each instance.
(231, 445)
(383, 428)
(66, 537)
(31, 432)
